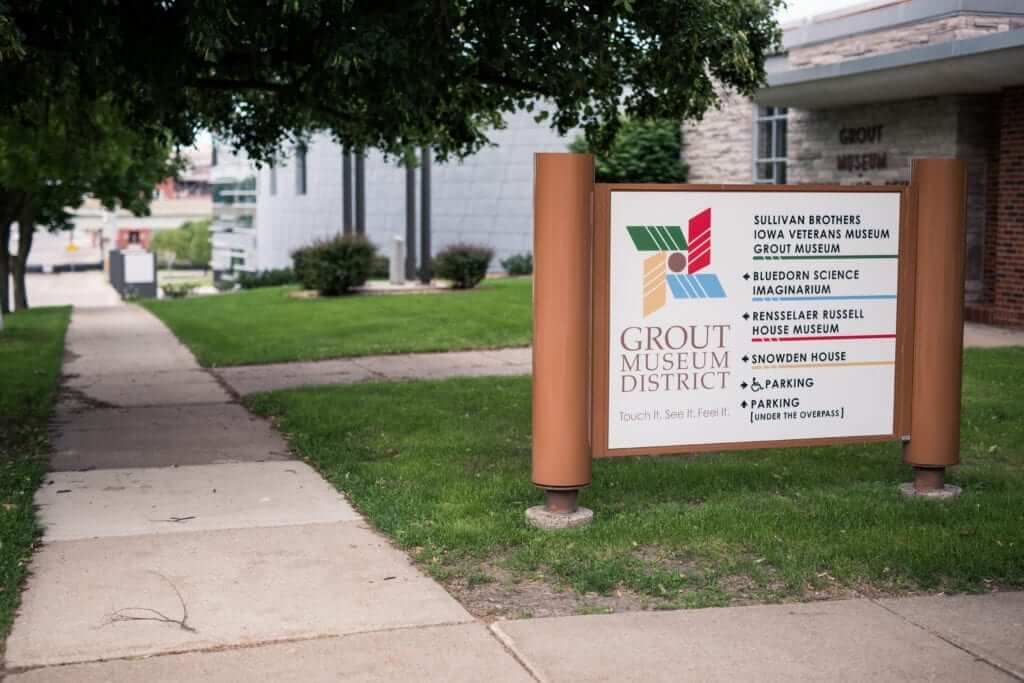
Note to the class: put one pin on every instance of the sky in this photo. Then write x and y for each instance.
(800, 9)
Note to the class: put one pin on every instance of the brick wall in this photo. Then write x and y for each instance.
(976, 135)
(1006, 305)
(992, 209)
(898, 38)
(720, 148)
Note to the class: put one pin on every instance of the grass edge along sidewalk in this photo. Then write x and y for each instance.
(31, 353)
(442, 467)
(268, 326)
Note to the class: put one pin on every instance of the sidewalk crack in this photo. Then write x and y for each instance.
(510, 647)
(1016, 675)
(376, 373)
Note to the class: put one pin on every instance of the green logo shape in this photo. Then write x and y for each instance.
(657, 237)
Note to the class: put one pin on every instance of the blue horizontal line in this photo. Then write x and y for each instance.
(822, 298)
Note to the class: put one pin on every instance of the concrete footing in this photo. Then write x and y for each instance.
(541, 518)
(908, 490)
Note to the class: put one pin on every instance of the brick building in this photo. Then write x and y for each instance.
(855, 95)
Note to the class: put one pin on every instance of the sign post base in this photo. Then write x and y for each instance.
(929, 482)
(560, 512)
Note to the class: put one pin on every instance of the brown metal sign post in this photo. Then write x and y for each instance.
(687, 318)
(563, 192)
(940, 189)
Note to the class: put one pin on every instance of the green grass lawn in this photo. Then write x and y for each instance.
(266, 326)
(31, 349)
(443, 468)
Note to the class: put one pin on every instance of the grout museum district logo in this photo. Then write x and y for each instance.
(677, 263)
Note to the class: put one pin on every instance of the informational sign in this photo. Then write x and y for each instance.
(139, 267)
(735, 317)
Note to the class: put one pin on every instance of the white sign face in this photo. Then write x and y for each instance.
(138, 267)
(751, 316)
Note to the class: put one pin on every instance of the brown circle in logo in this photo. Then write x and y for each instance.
(676, 262)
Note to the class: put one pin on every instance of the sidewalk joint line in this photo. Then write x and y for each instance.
(376, 373)
(1016, 675)
(236, 397)
(229, 647)
(510, 647)
(195, 404)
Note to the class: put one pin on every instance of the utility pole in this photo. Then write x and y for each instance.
(346, 190)
(360, 193)
(425, 253)
(410, 216)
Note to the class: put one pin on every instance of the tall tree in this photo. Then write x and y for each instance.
(55, 153)
(386, 75)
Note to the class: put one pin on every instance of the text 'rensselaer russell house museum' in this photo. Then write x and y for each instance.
(857, 94)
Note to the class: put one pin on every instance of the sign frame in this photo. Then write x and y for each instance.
(601, 312)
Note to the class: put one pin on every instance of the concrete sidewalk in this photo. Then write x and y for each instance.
(976, 638)
(87, 289)
(964, 638)
(248, 379)
(177, 524)
(989, 336)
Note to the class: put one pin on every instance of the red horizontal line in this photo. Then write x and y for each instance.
(845, 336)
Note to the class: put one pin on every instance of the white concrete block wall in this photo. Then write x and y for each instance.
(920, 128)
(720, 148)
(486, 199)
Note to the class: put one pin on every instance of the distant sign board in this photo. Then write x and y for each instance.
(139, 267)
(747, 316)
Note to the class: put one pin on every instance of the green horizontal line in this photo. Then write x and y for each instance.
(821, 257)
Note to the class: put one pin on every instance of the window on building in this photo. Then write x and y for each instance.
(300, 169)
(273, 179)
(770, 145)
(213, 155)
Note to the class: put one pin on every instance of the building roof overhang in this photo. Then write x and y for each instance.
(976, 65)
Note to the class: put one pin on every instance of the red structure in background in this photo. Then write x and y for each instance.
(139, 237)
(193, 184)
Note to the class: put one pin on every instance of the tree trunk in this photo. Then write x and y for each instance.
(5, 262)
(10, 205)
(26, 230)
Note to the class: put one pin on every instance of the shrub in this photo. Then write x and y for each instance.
(380, 269)
(178, 290)
(266, 278)
(518, 264)
(334, 266)
(464, 264)
(642, 152)
(302, 266)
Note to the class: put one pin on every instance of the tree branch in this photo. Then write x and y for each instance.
(125, 613)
